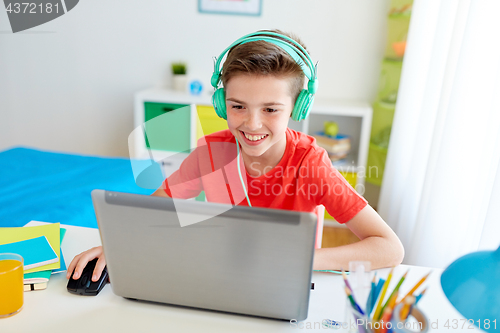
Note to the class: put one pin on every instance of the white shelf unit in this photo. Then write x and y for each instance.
(354, 119)
(170, 160)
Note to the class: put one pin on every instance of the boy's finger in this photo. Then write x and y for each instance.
(99, 267)
(84, 260)
(72, 265)
(80, 266)
(81, 260)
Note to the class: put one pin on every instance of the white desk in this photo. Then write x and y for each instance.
(56, 310)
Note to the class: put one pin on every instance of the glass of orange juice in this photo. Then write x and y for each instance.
(11, 284)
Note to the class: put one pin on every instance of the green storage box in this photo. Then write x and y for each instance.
(170, 133)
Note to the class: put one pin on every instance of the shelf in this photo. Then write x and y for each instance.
(162, 95)
(354, 119)
(349, 164)
(341, 108)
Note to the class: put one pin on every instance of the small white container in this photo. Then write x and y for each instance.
(179, 82)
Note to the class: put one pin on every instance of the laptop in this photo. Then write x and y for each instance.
(244, 260)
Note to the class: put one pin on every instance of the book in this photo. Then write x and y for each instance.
(62, 267)
(44, 276)
(50, 231)
(37, 277)
(62, 232)
(337, 156)
(333, 144)
(35, 286)
(36, 252)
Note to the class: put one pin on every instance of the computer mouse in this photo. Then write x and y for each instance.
(84, 285)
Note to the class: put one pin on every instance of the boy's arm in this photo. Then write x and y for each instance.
(378, 244)
(185, 182)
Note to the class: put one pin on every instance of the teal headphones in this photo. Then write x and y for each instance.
(295, 50)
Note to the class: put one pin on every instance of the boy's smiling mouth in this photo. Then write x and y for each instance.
(254, 138)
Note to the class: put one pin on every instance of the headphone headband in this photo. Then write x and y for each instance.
(304, 100)
(290, 46)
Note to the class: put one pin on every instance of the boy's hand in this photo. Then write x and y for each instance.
(80, 261)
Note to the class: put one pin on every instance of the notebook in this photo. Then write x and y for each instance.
(44, 276)
(37, 277)
(36, 252)
(51, 231)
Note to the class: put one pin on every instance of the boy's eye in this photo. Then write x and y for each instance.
(271, 110)
(238, 107)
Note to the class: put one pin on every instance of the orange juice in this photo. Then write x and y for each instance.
(11, 285)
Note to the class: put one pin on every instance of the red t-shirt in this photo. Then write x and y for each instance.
(303, 179)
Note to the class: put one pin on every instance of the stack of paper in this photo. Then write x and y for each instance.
(39, 244)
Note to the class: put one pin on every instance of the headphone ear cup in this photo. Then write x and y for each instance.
(219, 103)
(302, 106)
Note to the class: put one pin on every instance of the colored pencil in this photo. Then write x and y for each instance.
(405, 311)
(415, 287)
(387, 314)
(386, 317)
(394, 291)
(378, 310)
(378, 289)
(348, 285)
(392, 300)
(353, 302)
(420, 296)
(345, 280)
(370, 296)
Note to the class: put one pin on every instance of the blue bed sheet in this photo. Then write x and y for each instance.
(55, 187)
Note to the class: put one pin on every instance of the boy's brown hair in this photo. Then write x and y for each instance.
(264, 58)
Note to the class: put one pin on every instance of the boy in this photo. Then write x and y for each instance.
(263, 79)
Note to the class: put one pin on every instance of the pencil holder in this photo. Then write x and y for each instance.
(359, 279)
(419, 324)
(356, 322)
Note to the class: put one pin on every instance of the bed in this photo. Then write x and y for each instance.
(55, 187)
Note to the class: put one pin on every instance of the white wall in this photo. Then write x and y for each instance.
(68, 85)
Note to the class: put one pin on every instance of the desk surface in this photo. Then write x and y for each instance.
(56, 310)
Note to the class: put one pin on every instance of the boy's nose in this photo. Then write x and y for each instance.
(253, 121)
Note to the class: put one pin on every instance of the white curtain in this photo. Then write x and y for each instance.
(441, 188)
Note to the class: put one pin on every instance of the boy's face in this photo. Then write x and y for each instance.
(258, 110)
